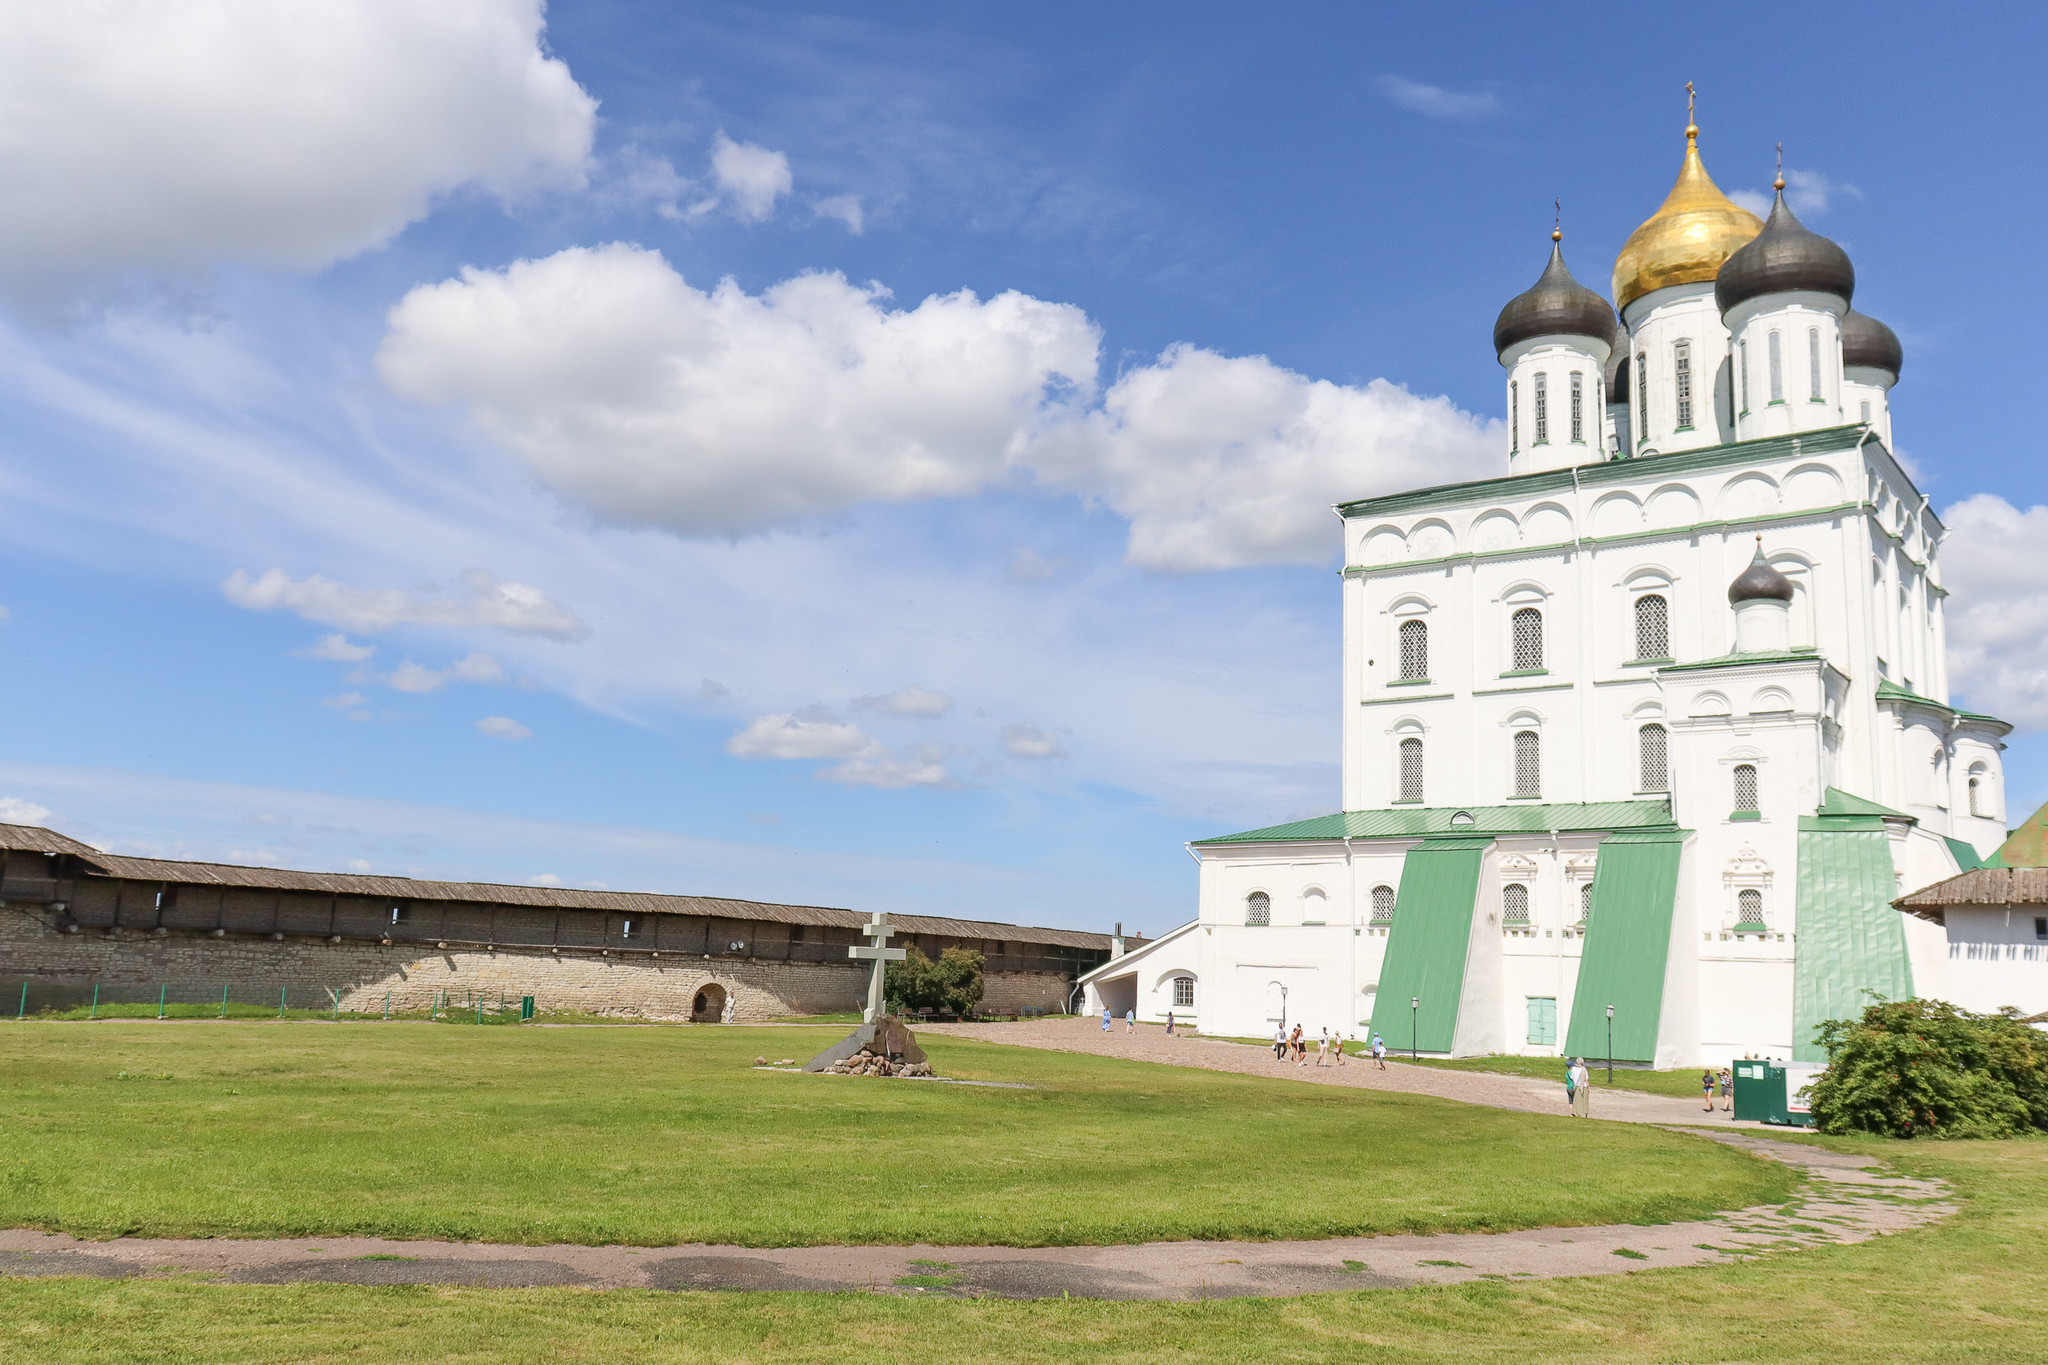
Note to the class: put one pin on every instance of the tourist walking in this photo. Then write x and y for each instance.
(1340, 1047)
(1323, 1049)
(1280, 1043)
(1727, 1090)
(1379, 1052)
(1169, 1023)
(1105, 1018)
(1579, 1088)
(1131, 1020)
(1707, 1079)
(1300, 1047)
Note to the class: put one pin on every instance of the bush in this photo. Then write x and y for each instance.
(951, 985)
(1923, 1067)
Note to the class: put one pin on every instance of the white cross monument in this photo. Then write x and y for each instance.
(877, 930)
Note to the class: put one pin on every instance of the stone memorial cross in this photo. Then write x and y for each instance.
(877, 930)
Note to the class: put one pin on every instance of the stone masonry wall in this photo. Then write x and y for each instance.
(364, 974)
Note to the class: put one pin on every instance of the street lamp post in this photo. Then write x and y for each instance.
(1610, 1045)
(1414, 1027)
(1283, 1009)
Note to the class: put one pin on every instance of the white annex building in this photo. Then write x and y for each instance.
(1645, 734)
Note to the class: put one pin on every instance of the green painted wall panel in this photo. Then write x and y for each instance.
(1628, 939)
(1426, 949)
(1849, 937)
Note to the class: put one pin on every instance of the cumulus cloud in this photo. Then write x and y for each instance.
(337, 649)
(811, 733)
(1434, 101)
(926, 768)
(1807, 193)
(751, 178)
(15, 811)
(1028, 741)
(907, 700)
(475, 599)
(651, 402)
(180, 134)
(503, 727)
(475, 668)
(1995, 566)
(842, 208)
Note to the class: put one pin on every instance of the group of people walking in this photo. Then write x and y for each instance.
(1329, 1047)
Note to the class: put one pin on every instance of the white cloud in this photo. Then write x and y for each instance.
(1029, 566)
(654, 403)
(478, 668)
(1434, 101)
(184, 133)
(810, 733)
(1028, 741)
(15, 811)
(359, 865)
(474, 600)
(337, 649)
(503, 727)
(412, 677)
(752, 177)
(907, 700)
(1806, 193)
(475, 668)
(543, 879)
(1995, 566)
(926, 769)
(347, 701)
(843, 208)
(1221, 462)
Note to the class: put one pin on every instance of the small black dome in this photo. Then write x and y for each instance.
(1785, 256)
(1870, 344)
(1759, 581)
(1556, 305)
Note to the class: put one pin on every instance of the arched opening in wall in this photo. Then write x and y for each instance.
(1978, 806)
(1745, 789)
(1749, 910)
(1528, 764)
(1585, 902)
(1383, 905)
(1258, 908)
(1653, 627)
(1411, 769)
(1653, 760)
(1414, 651)
(1526, 627)
(1514, 903)
(1183, 992)
(709, 1005)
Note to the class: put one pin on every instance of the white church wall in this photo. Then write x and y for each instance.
(1657, 323)
(1998, 957)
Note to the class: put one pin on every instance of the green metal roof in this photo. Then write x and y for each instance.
(1839, 802)
(1966, 855)
(1412, 822)
(1628, 939)
(1797, 654)
(1432, 933)
(1887, 690)
(2024, 846)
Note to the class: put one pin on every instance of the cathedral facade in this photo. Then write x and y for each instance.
(1642, 737)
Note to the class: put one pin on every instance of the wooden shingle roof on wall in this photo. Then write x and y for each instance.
(182, 873)
(1984, 886)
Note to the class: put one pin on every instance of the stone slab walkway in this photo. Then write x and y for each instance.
(1847, 1199)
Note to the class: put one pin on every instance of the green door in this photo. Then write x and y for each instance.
(1543, 1020)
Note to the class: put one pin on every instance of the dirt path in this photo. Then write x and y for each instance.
(1846, 1199)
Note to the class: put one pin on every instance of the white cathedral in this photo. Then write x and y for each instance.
(1640, 739)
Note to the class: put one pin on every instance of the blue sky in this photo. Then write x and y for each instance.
(875, 455)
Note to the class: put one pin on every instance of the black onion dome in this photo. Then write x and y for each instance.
(1556, 305)
(1759, 581)
(1784, 257)
(1868, 343)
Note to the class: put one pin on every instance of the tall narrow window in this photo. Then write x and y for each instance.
(1866, 412)
(1258, 908)
(1542, 410)
(1743, 366)
(1681, 378)
(1411, 770)
(1578, 407)
(1527, 628)
(1642, 397)
(1585, 900)
(1414, 650)
(1653, 627)
(1514, 416)
(1745, 788)
(1383, 905)
(1528, 764)
(1749, 907)
(1777, 368)
(1976, 798)
(1653, 763)
(1514, 903)
(1183, 992)
(1813, 363)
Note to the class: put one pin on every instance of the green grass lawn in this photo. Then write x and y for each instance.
(661, 1135)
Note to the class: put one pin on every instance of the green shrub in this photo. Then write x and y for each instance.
(1923, 1067)
(950, 985)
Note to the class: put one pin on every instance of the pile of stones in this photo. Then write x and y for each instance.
(866, 1063)
(886, 1047)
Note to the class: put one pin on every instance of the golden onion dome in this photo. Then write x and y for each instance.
(1685, 241)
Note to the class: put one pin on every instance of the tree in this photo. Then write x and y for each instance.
(950, 985)
(1924, 1067)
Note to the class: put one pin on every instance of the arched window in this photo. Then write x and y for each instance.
(1542, 410)
(1184, 992)
(1528, 764)
(1976, 797)
(1527, 627)
(1383, 905)
(1653, 627)
(1777, 351)
(1642, 397)
(1411, 770)
(1414, 650)
(1258, 908)
(1681, 379)
(1749, 904)
(1578, 407)
(1813, 361)
(1585, 900)
(1866, 412)
(1745, 788)
(1514, 416)
(1514, 903)
(1744, 367)
(1653, 763)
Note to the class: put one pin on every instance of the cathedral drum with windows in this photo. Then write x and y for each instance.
(1658, 720)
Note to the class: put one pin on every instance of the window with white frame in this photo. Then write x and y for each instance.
(1749, 908)
(1514, 416)
(1383, 905)
(1542, 409)
(1578, 407)
(1642, 396)
(1653, 758)
(1585, 900)
(1976, 795)
(1866, 412)
(1813, 362)
(1258, 908)
(1528, 763)
(1776, 346)
(1411, 769)
(1653, 627)
(1514, 903)
(1184, 992)
(1414, 651)
(1743, 357)
(1681, 381)
(1526, 629)
(1745, 788)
